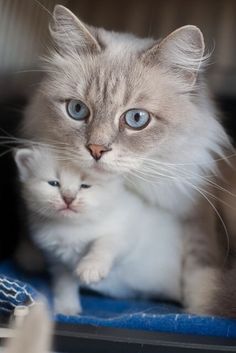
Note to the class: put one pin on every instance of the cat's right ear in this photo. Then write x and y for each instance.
(24, 158)
(181, 52)
(70, 34)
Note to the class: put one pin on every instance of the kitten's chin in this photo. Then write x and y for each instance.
(63, 213)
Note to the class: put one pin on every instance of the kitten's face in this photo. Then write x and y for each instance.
(53, 190)
(113, 101)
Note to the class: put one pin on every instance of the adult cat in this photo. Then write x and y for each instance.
(138, 107)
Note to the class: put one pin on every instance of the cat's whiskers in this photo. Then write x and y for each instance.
(136, 172)
(183, 173)
(130, 181)
(144, 177)
(34, 70)
(48, 141)
(164, 173)
(60, 148)
(213, 161)
(6, 152)
(43, 7)
(218, 199)
(190, 183)
(204, 193)
(201, 192)
(41, 212)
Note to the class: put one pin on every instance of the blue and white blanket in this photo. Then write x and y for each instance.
(103, 311)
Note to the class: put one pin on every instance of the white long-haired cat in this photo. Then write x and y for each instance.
(97, 232)
(115, 103)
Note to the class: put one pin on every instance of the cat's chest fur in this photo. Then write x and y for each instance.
(161, 194)
(64, 242)
(153, 265)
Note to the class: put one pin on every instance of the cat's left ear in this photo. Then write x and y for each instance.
(23, 158)
(181, 52)
(71, 34)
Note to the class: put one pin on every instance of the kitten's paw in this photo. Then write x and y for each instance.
(92, 271)
(67, 307)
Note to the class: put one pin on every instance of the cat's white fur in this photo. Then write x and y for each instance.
(112, 241)
(171, 162)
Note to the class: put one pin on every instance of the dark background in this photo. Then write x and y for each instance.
(24, 37)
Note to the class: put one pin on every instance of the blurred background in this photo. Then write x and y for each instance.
(24, 38)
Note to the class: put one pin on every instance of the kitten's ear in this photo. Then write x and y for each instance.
(23, 158)
(182, 51)
(71, 34)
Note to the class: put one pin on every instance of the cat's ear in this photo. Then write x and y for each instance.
(24, 158)
(71, 34)
(182, 51)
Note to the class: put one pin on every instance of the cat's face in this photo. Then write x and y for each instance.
(53, 190)
(113, 101)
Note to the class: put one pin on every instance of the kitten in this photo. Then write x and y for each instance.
(119, 104)
(96, 232)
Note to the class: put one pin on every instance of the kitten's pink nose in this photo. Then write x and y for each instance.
(68, 199)
(97, 151)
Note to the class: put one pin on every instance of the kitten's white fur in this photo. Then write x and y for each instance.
(113, 242)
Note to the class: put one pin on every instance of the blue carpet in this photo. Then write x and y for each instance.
(103, 311)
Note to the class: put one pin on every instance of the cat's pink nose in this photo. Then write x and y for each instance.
(68, 199)
(97, 151)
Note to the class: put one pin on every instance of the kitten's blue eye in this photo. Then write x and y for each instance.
(137, 119)
(54, 183)
(77, 110)
(85, 186)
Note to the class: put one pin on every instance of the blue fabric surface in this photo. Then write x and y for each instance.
(102, 311)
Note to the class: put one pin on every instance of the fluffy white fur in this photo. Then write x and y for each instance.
(110, 240)
(171, 162)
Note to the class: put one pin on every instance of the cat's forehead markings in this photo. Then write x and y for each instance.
(127, 94)
(105, 84)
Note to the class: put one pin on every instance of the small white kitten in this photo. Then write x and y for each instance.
(97, 233)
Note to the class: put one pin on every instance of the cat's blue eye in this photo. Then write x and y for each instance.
(54, 183)
(77, 110)
(137, 119)
(85, 186)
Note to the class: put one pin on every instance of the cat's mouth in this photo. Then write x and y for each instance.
(67, 210)
(102, 167)
(99, 167)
